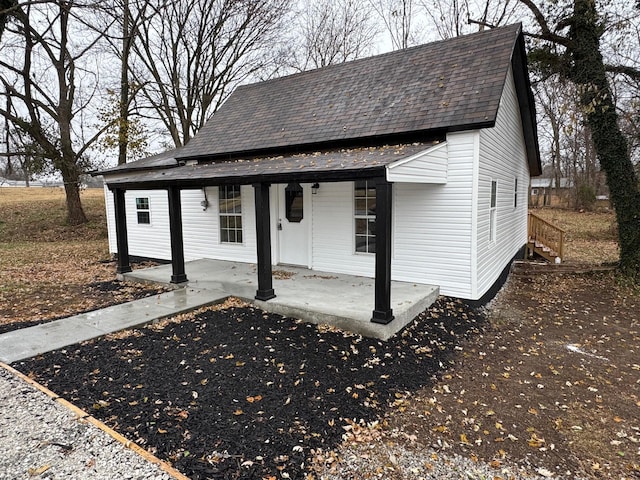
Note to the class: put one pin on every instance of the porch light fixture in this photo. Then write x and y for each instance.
(204, 203)
(314, 188)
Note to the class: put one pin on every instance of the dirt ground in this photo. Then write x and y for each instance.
(554, 382)
(549, 381)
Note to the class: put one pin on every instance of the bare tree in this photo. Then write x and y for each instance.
(331, 31)
(118, 21)
(398, 17)
(457, 17)
(45, 69)
(557, 111)
(6, 7)
(191, 54)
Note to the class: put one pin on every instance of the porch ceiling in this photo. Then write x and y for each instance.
(324, 166)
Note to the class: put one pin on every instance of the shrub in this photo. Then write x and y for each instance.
(585, 197)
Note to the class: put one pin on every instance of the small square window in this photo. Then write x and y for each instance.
(142, 210)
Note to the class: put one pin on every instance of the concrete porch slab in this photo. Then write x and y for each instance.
(345, 301)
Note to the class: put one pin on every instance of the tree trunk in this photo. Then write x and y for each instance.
(75, 212)
(123, 125)
(589, 74)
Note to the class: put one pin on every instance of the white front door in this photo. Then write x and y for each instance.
(294, 221)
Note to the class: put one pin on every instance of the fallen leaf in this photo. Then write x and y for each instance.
(39, 471)
(535, 441)
(544, 472)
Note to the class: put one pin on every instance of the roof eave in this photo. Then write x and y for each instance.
(280, 177)
(116, 171)
(401, 137)
(526, 103)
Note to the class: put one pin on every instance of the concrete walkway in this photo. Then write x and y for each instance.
(29, 342)
(345, 301)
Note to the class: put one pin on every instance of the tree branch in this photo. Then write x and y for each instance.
(624, 70)
(546, 34)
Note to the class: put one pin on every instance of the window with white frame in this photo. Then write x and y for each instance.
(142, 210)
(515, 192)
(493, 211)
(230, 209)
(365, 216)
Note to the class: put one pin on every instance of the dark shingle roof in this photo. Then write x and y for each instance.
(443, 86)
(155, 162)
(317, 166)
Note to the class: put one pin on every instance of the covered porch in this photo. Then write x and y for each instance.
(345, 165)
(343, 301)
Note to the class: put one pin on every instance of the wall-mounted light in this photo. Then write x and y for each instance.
(314, 188)
(204, 203)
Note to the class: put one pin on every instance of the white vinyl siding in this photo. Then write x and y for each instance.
(145, 240)
(200, 227)
(432, 225)
(333, 243)
(201, 230)
(111, 219)
(502, 158)
(429, 166)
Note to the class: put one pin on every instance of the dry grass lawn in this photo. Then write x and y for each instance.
(45, 264)
(591, 237)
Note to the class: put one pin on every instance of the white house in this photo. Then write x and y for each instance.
(412, 165)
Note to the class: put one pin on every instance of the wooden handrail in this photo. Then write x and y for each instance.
(540, 219)
(544, 233)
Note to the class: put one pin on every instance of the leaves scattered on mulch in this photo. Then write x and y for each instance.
(233, 392)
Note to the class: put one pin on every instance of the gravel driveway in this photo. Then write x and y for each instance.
(39, 438)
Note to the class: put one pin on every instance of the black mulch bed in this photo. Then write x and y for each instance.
(96, 289)
(239, 393)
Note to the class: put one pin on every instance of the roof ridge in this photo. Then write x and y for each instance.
(378, 56)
